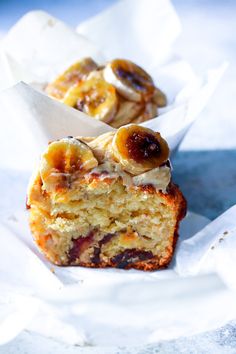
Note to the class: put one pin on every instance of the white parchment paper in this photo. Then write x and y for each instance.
(115, 307)
(40, 46)
(216, 252)
(144, 30)
(33, 119)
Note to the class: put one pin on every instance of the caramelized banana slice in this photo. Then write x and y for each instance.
(159, 98)
(75, 73)
(127, 111)
(95, 97)
(139, 149)
(149, 112)
(97, 74)
(101, 146)
(64, 161)
(131, 81)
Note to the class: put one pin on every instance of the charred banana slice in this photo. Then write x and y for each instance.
(71, 76)
(131, 81)
(63, 162)
(95, 97)
(159, 98)
(97, 74)
(127, 111)
(149, 112)
(101, 146)
(139, 149)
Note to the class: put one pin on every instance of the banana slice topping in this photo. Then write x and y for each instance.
(74, 74)
(149, 111)
(63, 162)
(117, 93)
(95, 97)
(139, 149)
(127, 111)
(159, 98)
(131, 81)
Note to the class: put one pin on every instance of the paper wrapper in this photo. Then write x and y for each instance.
(216, 252)
(146, 36)
(39, 46)
(138, 30)
(33, 119)
(102, 307)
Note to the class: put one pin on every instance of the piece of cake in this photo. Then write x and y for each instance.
(117, 93)
(107, 201)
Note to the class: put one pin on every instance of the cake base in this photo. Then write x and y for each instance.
(102, 223)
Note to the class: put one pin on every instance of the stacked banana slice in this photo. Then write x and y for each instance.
(118, 93)
(64, 161)
(135, 148)
(139, 149)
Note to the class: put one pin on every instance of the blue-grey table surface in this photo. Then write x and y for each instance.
(204, 166)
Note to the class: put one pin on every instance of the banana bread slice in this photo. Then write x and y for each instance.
(107, 201)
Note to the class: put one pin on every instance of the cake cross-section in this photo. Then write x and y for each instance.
(107, 201)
